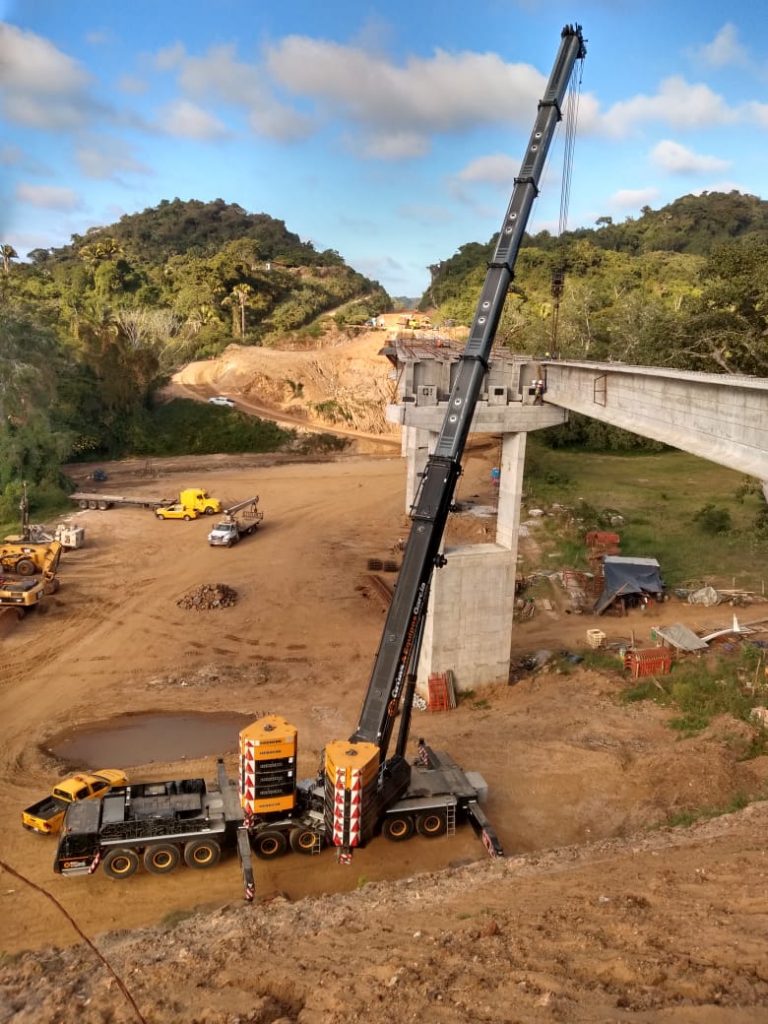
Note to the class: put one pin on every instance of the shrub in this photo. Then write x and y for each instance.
(712, 519)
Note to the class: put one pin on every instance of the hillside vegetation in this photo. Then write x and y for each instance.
(684, 286)
(90, 331)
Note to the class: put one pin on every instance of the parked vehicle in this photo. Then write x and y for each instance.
(47, 815)
(221, 400)
(240, 520)
(195, 498)
(177, 512)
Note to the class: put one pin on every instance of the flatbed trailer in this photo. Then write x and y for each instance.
(97, 500)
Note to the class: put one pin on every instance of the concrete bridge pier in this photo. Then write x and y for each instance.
(469, 619)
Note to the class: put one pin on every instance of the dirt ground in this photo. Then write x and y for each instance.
(599, 911)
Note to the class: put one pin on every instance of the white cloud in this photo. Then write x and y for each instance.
(496, 169)
(133, 84)
(677, 103)
(677, 159)
(758, 112)
(42, 87)
(98, 37)
(186, 120)
(170, 57)
(398, 108)
(725, 49)
(218, 77)
(628, 198)
(108, 160)
(51, 197)
(29, 63)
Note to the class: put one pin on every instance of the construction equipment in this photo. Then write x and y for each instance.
(196, 499)
(21, 593)
(30, 559)
(239, 521)
(360, 789)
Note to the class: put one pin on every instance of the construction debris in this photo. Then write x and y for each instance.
(207, 596)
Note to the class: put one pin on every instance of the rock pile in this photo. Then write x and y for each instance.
(207, 596)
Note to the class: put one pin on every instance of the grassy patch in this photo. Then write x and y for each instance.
(687, 818)
(699, 691)
(661, 498)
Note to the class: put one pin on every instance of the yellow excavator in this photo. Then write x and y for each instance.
(23, 555)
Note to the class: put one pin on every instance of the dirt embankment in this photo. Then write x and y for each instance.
(599, 911)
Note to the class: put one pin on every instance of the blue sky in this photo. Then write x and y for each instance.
(388, 131)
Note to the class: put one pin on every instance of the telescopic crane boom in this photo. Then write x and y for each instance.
(400, 638)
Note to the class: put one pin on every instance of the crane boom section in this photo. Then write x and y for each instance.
(435, 496)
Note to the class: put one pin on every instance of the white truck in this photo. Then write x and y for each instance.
(239, 520)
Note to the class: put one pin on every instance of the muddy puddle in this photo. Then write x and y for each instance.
(129, 740)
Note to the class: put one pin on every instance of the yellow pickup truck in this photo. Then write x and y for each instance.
(177, 512)
(47, 815)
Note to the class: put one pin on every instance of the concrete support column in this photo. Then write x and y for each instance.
(510, 490)
(419, 444)
(469, 619)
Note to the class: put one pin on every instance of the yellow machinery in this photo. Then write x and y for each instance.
(25, 558)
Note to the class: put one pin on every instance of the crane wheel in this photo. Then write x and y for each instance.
(208, 511)
(82, 504)
(304, 840)
(398, 828)
(186, 519)
(120, 863)
(161, 858)
(431, 823)
(202, 853)
(270, 844)
(158, 516)
(25, 567)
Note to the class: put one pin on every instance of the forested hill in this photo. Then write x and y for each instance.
(683, 286)
(217, 272)
(90, 331)
(195, 228)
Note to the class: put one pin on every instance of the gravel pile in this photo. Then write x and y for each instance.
(208, 595)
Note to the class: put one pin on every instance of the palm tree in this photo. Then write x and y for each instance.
(241, 293)
(8, 253)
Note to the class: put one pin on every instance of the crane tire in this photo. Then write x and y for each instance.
(186, 519)
(202, 853)
(208, 511)
(161, 858)
(304, 840)
(431, 824)
(82, 504)
(120, 863)
(25, 567)
(398, 828)
(270, 844)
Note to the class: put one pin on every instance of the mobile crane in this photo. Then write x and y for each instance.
(361, 780)
(359, 790)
